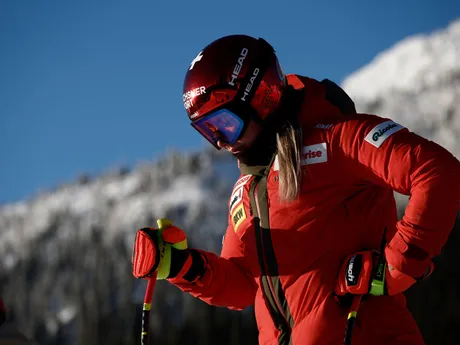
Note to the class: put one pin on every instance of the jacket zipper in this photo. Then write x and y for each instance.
(270, 283)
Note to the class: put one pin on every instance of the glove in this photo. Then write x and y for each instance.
(368, 272)
(165, 251)
(356, 273)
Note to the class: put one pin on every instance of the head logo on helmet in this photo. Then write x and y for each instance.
(250, 84)
(238, 66)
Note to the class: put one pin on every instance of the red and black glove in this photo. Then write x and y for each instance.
(356, 273)
(368, 272)
(165, 250)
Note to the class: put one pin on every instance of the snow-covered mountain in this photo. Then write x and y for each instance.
(65, 254)
(122, 200)
(64, 251)
(416, 83)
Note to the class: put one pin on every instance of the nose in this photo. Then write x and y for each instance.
(221, 144)
(221, 139)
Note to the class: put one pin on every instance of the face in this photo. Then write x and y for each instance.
(246, 140)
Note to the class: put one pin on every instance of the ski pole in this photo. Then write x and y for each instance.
(146, 308)
(352, 318)
(162, 223)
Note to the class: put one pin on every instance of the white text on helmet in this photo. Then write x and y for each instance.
(250, 84)
(239, 64)
(188, 97)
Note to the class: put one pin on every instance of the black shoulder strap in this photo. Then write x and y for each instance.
(338, 97)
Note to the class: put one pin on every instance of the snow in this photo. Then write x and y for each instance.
(66, 314)
(119, 204)
(412, 65)
(188, 189)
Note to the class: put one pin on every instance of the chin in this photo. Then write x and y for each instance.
(240, 148)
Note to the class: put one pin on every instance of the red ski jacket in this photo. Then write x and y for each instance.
(283, 259)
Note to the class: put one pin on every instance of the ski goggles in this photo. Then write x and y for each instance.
(221, 125)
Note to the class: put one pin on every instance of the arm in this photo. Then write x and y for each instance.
(226, 282)
(391, 156)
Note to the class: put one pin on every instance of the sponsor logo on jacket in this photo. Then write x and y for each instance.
(236, 198)
(238, 216)
(241, 181)
(323, 126)
(311, 154)
(382, 132)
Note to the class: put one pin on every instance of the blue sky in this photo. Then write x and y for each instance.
(86, 86)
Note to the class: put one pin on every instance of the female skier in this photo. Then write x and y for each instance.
(312, 219)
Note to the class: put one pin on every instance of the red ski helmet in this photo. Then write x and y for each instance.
(232, 80)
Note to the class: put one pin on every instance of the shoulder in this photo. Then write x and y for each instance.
(354, 132)
(322, 100)
(373, 128)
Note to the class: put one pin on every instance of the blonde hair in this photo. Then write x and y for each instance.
(289, 144)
